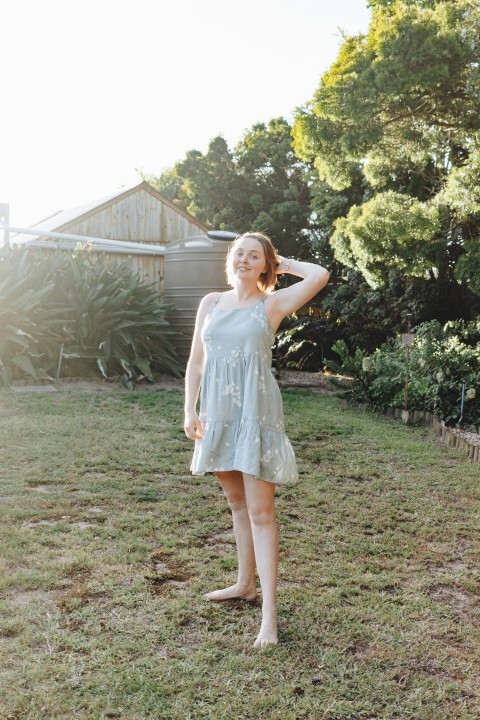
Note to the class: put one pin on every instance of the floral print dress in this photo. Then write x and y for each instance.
(240, 403)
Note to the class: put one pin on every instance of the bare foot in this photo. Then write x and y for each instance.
(235, 592)
(268, 633)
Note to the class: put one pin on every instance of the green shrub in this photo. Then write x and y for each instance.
(304, 342)
(116, 323)
(82, 311)
(27, 319)
(441, 361)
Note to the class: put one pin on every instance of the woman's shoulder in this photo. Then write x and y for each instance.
(211, 297)
(209, 300)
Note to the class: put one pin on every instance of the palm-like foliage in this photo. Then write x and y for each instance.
(83, 311)
(26, 320)
(115, 321)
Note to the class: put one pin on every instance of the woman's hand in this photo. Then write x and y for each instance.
(283, 264)
(193, 427)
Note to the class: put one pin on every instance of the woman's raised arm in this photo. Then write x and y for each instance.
(285, 301)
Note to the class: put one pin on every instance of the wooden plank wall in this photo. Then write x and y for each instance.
(139, 217)
(148, 267)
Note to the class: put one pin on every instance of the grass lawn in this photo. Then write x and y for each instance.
(107, 546)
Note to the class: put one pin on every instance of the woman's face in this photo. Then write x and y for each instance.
(247, 259)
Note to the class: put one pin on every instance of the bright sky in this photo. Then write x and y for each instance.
(93, 90)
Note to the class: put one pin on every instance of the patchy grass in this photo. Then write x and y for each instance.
(108, 546)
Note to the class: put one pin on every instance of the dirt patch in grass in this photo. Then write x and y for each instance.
(301, 379)
(77, 596)
(219, 544)
(166, 573)
(167, 580)
(36, 598)
(464, 604)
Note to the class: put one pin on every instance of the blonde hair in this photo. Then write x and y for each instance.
(268, 279)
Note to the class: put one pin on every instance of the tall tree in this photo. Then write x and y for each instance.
(259, 185)
(401, 107)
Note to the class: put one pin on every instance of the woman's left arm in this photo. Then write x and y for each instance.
(285, 301)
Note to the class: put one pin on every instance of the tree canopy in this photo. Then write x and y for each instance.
(258, 185)
(379, 177)
(400, 109)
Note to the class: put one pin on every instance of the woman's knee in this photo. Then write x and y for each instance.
(232, 485)
(237, 503)
(260, 496)
(261, 514)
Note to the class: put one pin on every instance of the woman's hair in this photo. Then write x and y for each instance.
(268, 279)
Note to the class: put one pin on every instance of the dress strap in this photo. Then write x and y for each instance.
(218, 298)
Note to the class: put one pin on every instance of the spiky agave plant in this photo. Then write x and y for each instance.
(27, 324)
(115, 321)
(83, 310)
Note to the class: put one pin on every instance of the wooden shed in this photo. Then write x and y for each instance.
(137, 215)
(158, 238)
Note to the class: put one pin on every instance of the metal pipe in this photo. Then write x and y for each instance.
(60, 358)
(407, 369)
(38, 232)
(120, 249)
(462, 404)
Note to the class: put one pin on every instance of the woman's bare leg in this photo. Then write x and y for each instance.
(260, 498)
(245, 587)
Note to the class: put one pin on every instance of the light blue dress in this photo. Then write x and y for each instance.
(240, 403)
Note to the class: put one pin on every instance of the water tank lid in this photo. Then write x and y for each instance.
(222, 235)
(189, 243)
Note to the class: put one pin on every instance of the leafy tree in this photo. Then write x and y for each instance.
(401, 108)
(390, 226)
(461, 194)
(259, 185)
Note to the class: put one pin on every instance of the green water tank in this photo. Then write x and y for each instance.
(194, 267)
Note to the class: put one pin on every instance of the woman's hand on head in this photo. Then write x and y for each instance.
(283, 265)
(193, 427)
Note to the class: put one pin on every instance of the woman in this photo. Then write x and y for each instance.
(239, 434)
